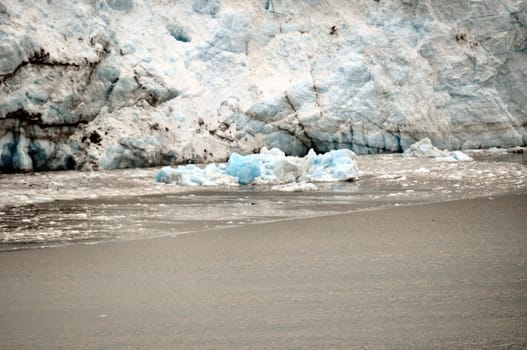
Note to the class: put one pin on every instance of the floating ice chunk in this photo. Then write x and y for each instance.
(267, 167)
(496, 150)
(422, 171)
(296, 187)
(164, 175)
(336, 165)
(446, 159)
(455, 156)
(425, 149)
(245, 168)
(192, 175)
(279, 168)
(458, 155)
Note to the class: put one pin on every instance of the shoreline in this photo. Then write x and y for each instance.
(447, 274)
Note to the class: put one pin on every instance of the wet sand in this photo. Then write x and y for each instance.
(445, 275)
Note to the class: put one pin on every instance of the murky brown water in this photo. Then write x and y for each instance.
(49, 209)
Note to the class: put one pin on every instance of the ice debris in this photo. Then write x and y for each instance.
(295, 187)
(456, 156)
(193, 175)
(267, 167)
(425, 149)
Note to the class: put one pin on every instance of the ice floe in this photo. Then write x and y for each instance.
(267, 167)
(425, 149)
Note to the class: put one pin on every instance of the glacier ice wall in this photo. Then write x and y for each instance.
(132, 83)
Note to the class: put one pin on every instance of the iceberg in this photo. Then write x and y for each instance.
(338, 165)
(245, 168)
(425, 149)
(267, 167)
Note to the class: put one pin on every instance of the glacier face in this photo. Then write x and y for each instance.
(132, 83)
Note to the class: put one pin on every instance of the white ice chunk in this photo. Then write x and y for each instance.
(245, 168)
(455, 156)
(192, 175)
(425, 149)
(295, 187)
(458, 155)
(336, 165)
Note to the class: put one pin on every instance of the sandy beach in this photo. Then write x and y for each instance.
(443, 275)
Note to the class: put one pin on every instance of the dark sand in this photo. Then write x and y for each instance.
(448, 275)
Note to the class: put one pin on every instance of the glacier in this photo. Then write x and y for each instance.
(109, 84)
